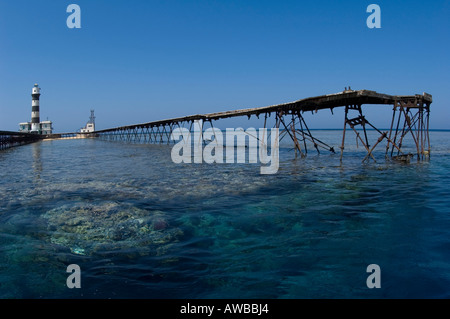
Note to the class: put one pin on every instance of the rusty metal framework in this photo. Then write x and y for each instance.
(415, 114)
(410, 118)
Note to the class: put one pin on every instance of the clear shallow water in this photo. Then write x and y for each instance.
(140, 226)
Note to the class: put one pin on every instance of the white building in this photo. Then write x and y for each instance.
(90, 126)
(44, 127)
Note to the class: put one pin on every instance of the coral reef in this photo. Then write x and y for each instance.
(109, 227)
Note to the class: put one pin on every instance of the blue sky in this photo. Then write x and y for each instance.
(138, 61)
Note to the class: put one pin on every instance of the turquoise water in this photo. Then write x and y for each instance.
(140, 226)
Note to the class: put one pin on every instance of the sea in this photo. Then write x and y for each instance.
(138, 225)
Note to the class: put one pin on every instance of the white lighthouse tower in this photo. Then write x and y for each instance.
(35, 118)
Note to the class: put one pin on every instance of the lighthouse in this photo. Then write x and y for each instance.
(35, 118)
(36, 126)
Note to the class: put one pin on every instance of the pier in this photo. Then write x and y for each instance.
(410, 119)
(11, 139)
